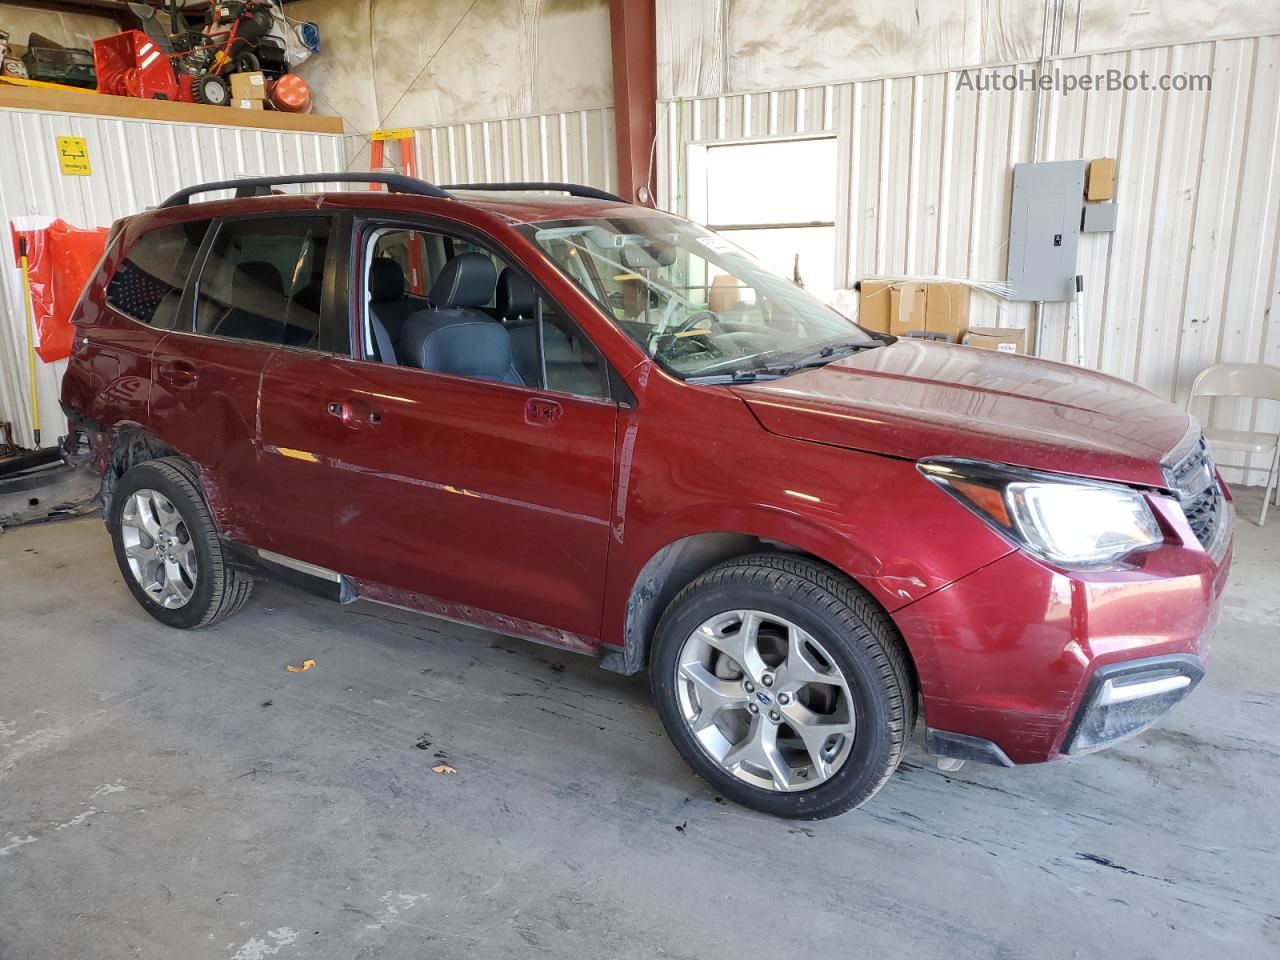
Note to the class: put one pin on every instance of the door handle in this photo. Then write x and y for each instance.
(179, 374)
(353, 412)
(539, 410)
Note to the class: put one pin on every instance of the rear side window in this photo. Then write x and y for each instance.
(263, 281)
(148, 285)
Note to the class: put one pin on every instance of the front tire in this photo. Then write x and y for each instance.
(784, 685)
(168, 549)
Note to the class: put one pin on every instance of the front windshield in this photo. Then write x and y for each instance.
(702, 307)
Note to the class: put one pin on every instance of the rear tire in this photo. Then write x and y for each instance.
(826, 698)
(168, 548)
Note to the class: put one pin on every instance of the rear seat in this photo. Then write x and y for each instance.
(387, 297)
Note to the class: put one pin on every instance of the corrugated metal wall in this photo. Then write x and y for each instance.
(135, 164)
(1190, 277)
(574, 146)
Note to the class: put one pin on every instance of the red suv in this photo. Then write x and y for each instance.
(559, 416)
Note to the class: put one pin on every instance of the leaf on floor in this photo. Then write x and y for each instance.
(443, 768)
(306, 665)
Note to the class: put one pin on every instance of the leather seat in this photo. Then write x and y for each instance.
(455, 335)
(516, 297)
(389, 307)
(517, 300)
(387, 295)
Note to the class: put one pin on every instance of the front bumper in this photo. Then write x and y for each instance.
(1021, 663)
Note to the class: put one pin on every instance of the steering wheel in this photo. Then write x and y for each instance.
(692, 321)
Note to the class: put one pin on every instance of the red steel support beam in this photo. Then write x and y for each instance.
(634, 37)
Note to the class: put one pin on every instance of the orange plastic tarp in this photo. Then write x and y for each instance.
(60, 259)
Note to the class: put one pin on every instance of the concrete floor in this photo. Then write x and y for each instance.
(168, 794)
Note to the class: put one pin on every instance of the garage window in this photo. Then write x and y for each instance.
(733, 189)
(148, 285)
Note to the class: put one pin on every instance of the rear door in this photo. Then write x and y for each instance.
(251, 294)
(300, 432)
(110, 375)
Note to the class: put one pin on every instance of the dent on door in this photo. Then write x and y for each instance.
(204, 403)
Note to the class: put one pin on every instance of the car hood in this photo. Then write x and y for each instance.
(917, 399)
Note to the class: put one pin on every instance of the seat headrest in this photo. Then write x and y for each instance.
(517, 296)
(455, 342)
(386, 280)
(263, 273)
(466, 280)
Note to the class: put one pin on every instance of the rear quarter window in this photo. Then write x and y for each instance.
(148, 284)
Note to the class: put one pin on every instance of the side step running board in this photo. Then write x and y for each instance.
(317, 580)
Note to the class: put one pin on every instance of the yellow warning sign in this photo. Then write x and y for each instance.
(73, 153)
(403, 133)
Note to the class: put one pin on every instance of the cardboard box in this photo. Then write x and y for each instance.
(1100, 181)
(249, 86)
(906, 308)
(946, 309)
(1000, 339)
(873, 304)
(249, 104)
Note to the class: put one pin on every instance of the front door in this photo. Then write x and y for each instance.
(491, 494)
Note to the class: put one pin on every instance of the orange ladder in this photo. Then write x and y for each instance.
(409, 167)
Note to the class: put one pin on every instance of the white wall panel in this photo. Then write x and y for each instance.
(136, 164)
(575, 146)
(1191, 275)
(406, 63)
(715, 47)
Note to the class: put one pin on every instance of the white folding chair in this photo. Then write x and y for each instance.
(1259, 381)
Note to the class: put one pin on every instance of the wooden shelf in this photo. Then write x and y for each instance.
(133, 108)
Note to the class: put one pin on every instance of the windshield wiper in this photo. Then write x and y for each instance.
(737, 376)
(772, 371)
(825, 355)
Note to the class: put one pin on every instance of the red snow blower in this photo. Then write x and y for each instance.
(184, 63)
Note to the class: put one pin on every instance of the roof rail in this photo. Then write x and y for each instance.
(573, 189)
(261, 186)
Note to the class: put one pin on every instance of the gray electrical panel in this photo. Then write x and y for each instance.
(1044, 229)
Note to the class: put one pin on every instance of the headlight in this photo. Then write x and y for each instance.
(1073, 523)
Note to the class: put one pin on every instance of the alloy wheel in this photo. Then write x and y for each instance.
(765, 700)
(158, 547)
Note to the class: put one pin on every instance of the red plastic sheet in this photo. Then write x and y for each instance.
(60, 258)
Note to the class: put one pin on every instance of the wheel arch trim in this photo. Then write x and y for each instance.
(675, 563)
